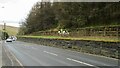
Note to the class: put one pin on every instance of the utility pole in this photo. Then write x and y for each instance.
(4, 27)
(4, 30)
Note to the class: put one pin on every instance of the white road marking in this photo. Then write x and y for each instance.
(9, 57)
(80, 62)
(50, 53)
(17, 59)
(14, 58)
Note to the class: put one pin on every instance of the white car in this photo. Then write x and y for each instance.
(14, 38)
(9, 40)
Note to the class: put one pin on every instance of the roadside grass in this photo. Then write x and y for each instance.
(95, 38)
(10, 30)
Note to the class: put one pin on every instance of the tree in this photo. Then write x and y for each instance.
(4, 35)
(41, 17)
(67, 15)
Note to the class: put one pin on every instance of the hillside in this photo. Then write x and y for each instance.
(10, 30)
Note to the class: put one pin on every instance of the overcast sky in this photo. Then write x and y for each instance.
(14, 11)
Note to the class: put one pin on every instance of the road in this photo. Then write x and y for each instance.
(29, 54)
(0, 54)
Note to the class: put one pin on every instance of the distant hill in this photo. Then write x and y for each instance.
(10, 29)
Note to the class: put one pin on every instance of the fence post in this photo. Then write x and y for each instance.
(118, 32)
(104, 31)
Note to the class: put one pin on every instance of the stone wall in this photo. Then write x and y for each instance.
(108, 49)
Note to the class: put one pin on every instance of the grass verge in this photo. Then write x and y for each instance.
(95, 38)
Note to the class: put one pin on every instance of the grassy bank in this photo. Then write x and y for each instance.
(104, 39)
